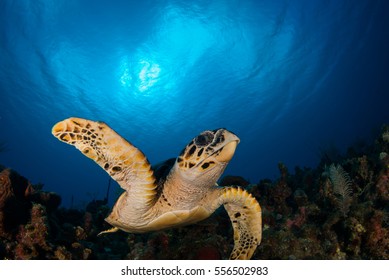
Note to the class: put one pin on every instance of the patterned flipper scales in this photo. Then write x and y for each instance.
(246, 217)
(126, 164)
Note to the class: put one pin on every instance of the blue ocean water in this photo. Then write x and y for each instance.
(290, 78)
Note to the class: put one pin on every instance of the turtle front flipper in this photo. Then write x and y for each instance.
(246, 217)
(126, 164)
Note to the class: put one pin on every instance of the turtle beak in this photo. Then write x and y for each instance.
(227, 151)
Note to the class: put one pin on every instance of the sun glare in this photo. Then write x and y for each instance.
(148, 75)
(140, 75)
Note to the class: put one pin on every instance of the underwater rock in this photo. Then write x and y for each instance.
(208, 253)
(31, 239)
(61, 253)
(233, 181)
(382, 186)
(17, 197)
(298, 220)
(300, 197)
(14, 203)
(50, 200)
(377, 237)
(279, 194)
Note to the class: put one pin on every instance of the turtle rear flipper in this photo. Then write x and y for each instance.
(126, 164)
(246, 217)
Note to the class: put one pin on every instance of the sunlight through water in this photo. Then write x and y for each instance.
(141, 77)
(285, 76)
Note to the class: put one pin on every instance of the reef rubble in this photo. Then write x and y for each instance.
(339, 210)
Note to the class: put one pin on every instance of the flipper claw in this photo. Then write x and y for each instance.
(111, 230)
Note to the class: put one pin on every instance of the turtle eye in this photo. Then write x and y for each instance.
(204, 139)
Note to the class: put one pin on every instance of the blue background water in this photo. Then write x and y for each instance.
(288, 77)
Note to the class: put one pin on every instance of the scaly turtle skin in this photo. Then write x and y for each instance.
(184, 195)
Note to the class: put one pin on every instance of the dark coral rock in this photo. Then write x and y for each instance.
(14, 205)
(234, 181)
(208, 252)
(279, 197)
(48, 199)
(17, 196)
(377, 237)
(382, 186)
(32, 237)
(300, 197)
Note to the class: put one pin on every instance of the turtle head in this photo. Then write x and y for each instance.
(207, 154)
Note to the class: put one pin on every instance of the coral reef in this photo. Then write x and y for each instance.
(338, 210)
(234, 180)
(14, 202)
(341, 184)
(335, 212)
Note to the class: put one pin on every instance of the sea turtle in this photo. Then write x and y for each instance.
(185, 194)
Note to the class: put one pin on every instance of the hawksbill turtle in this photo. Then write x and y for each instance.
(165, 198)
